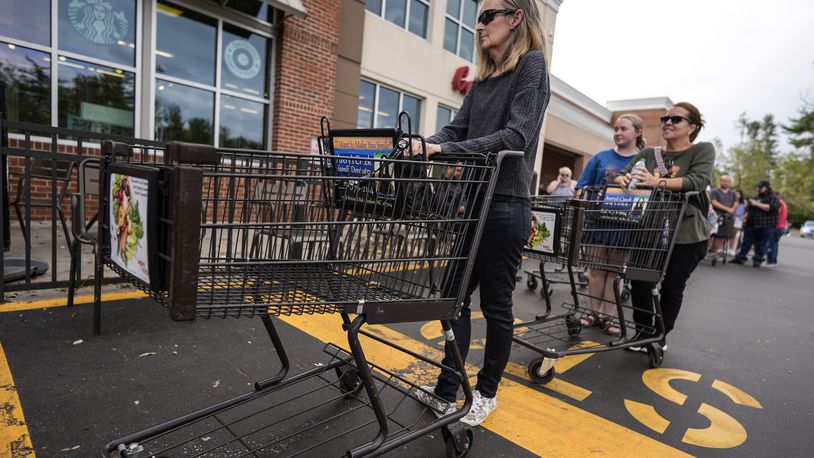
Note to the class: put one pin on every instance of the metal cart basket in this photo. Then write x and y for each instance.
(630, 234)
(558, 275)
(237, 233)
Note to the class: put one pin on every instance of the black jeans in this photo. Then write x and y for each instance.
(507, 227)
(684, 260)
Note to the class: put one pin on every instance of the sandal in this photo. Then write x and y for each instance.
(590, 320)
(609, 328)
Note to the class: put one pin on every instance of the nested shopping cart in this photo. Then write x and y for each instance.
(558, 273)
(355, 230)
(629, 233)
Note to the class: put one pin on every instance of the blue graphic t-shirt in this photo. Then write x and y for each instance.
(602, 168)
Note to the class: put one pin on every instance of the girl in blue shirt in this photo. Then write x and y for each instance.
(602, 168)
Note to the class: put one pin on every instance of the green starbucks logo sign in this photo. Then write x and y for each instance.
(97, 21)
(242, 59)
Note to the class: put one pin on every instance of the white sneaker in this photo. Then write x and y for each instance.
(428, 397)
(481, 408)
(771, 266)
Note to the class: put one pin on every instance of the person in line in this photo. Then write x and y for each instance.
(725, 202)
(563, 185)
(737, 223)
(781, 230)
(628, 135)
(503, 110)
(682, 166)
(761, 221)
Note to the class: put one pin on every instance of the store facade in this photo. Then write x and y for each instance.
(222, 72)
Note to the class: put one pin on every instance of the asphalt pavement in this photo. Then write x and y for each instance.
(735, 379)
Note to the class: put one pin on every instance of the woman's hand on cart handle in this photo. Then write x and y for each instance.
(432, 149)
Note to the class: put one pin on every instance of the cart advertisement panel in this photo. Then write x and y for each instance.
(363, 148)
(624, 206)
(129, 215)
(545, 229)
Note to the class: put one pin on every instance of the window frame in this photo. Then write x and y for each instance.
(452, 113)
(401, 93)
(460, 25)
(144, 67)
(54, 52)
(407, 7)
(212, 12)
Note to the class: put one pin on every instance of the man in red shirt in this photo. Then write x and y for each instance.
(780, 231)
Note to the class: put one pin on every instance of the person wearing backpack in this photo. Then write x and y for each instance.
(682, 166)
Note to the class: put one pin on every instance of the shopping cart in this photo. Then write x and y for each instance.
(558, 274)
(352, 231)
(726, 225)
(639, 227)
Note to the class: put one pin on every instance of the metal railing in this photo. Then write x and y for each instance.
(38, 175)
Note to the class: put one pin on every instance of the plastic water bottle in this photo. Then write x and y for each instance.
(639, 165)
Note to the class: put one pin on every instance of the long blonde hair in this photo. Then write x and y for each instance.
(638, 124)
(528, 36)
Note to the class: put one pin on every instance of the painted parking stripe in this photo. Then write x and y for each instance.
(63, 301)
(533, 420)
(14, 438)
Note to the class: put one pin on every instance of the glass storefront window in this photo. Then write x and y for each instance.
(244, 62)
(459, 28)
(409, 14)
(26, 20)
(418, 18)
(254, 8)
(412, 106)
(444, 117)
(186, 44)
(367, 94)
(26, 73)
(387, 110)
(374, 6)
(95, 98)
(103, 29)
(242, 123)
(183, 113)
(386, 106)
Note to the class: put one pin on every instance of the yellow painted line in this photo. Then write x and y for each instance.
(533, 420)
(647, 415)
(14, 438)
(723, 431)
(568, 362)
(62, 301)
(737, 395)
(557, 385)
(658, 380)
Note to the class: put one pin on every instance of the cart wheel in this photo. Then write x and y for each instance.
(460, 448)
(531, 283)
(349, 381)
(625, 295)
(534, 366)
(714, 260)
(573, 325)
(583, 280)
(654, 357)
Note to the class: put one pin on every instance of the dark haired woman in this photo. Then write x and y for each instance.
(502, 111)
(682, 166)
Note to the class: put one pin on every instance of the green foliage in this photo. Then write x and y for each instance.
(801, 130)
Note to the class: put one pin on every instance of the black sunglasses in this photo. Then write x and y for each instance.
(673, 119)
(489, 15)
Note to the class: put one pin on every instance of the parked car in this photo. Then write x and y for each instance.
(807, 229)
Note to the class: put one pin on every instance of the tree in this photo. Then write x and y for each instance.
(801, 130)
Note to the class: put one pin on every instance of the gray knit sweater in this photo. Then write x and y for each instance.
(503, 113)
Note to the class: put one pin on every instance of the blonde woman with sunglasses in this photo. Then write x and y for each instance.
(503, 110)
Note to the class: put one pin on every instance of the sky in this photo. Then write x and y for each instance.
(724, 56)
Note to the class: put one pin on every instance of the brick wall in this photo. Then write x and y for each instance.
(305, 75)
